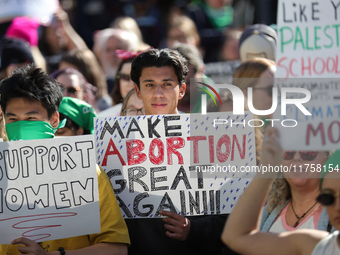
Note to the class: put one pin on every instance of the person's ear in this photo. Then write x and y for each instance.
(138, 92)
(182, 90)
(80, 131)
(54, 120)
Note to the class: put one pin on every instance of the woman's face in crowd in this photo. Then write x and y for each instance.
(71, 83)
(331, 185)
(177, 35)
(304, 167)
(125, 82)
(262, 91)
(65, 131)
(134, 106)
(230, 49)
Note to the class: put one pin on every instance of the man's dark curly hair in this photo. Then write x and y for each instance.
(33, 85)
(159, 58)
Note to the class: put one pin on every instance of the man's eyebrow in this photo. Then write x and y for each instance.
(148, 80)
(168, 79)
(10, 114)
(27, 113)
(31, 112)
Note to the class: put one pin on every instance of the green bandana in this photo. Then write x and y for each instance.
(331, 164)
(79, 111)
(219, 18)
(30, 130)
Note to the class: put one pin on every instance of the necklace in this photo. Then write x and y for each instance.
(303, 215)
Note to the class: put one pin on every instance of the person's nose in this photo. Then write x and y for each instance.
(158, 91)
(297, 157)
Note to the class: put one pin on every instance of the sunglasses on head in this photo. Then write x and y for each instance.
(327, 197)
(125, 77)
(305, 155)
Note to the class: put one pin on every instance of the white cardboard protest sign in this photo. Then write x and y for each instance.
(321, 129)
(162, 162)
(47, 188)
(40, 9)
(308, 39)
(307, 57)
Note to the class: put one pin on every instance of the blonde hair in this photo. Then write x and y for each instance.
(280, 192)
(128, 24)
(3, 133)
(248, 72)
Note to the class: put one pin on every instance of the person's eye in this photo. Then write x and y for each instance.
(31, 118)
(149, 85)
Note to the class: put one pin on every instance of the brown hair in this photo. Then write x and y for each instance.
(251, 70)
(125, 100)
(115, 93)
(87, 64)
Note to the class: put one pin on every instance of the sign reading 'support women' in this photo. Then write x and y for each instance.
(48, 189)
(308, 55)
(182, 163)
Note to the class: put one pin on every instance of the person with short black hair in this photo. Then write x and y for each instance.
(30, 101)
(159, 77)
(14, 53)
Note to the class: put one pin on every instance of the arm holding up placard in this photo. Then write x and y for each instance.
(242, 226)
(74, 41)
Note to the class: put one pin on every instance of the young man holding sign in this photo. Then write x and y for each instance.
(30, 101)
(159, 77)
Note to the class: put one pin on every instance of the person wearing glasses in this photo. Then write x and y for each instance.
(30, 101)
(291, 201)
(132, 105)
(75, 85)
(242, 232)
(123, 83)
(257, 73)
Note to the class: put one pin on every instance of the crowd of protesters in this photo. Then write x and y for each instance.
(134, 60)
